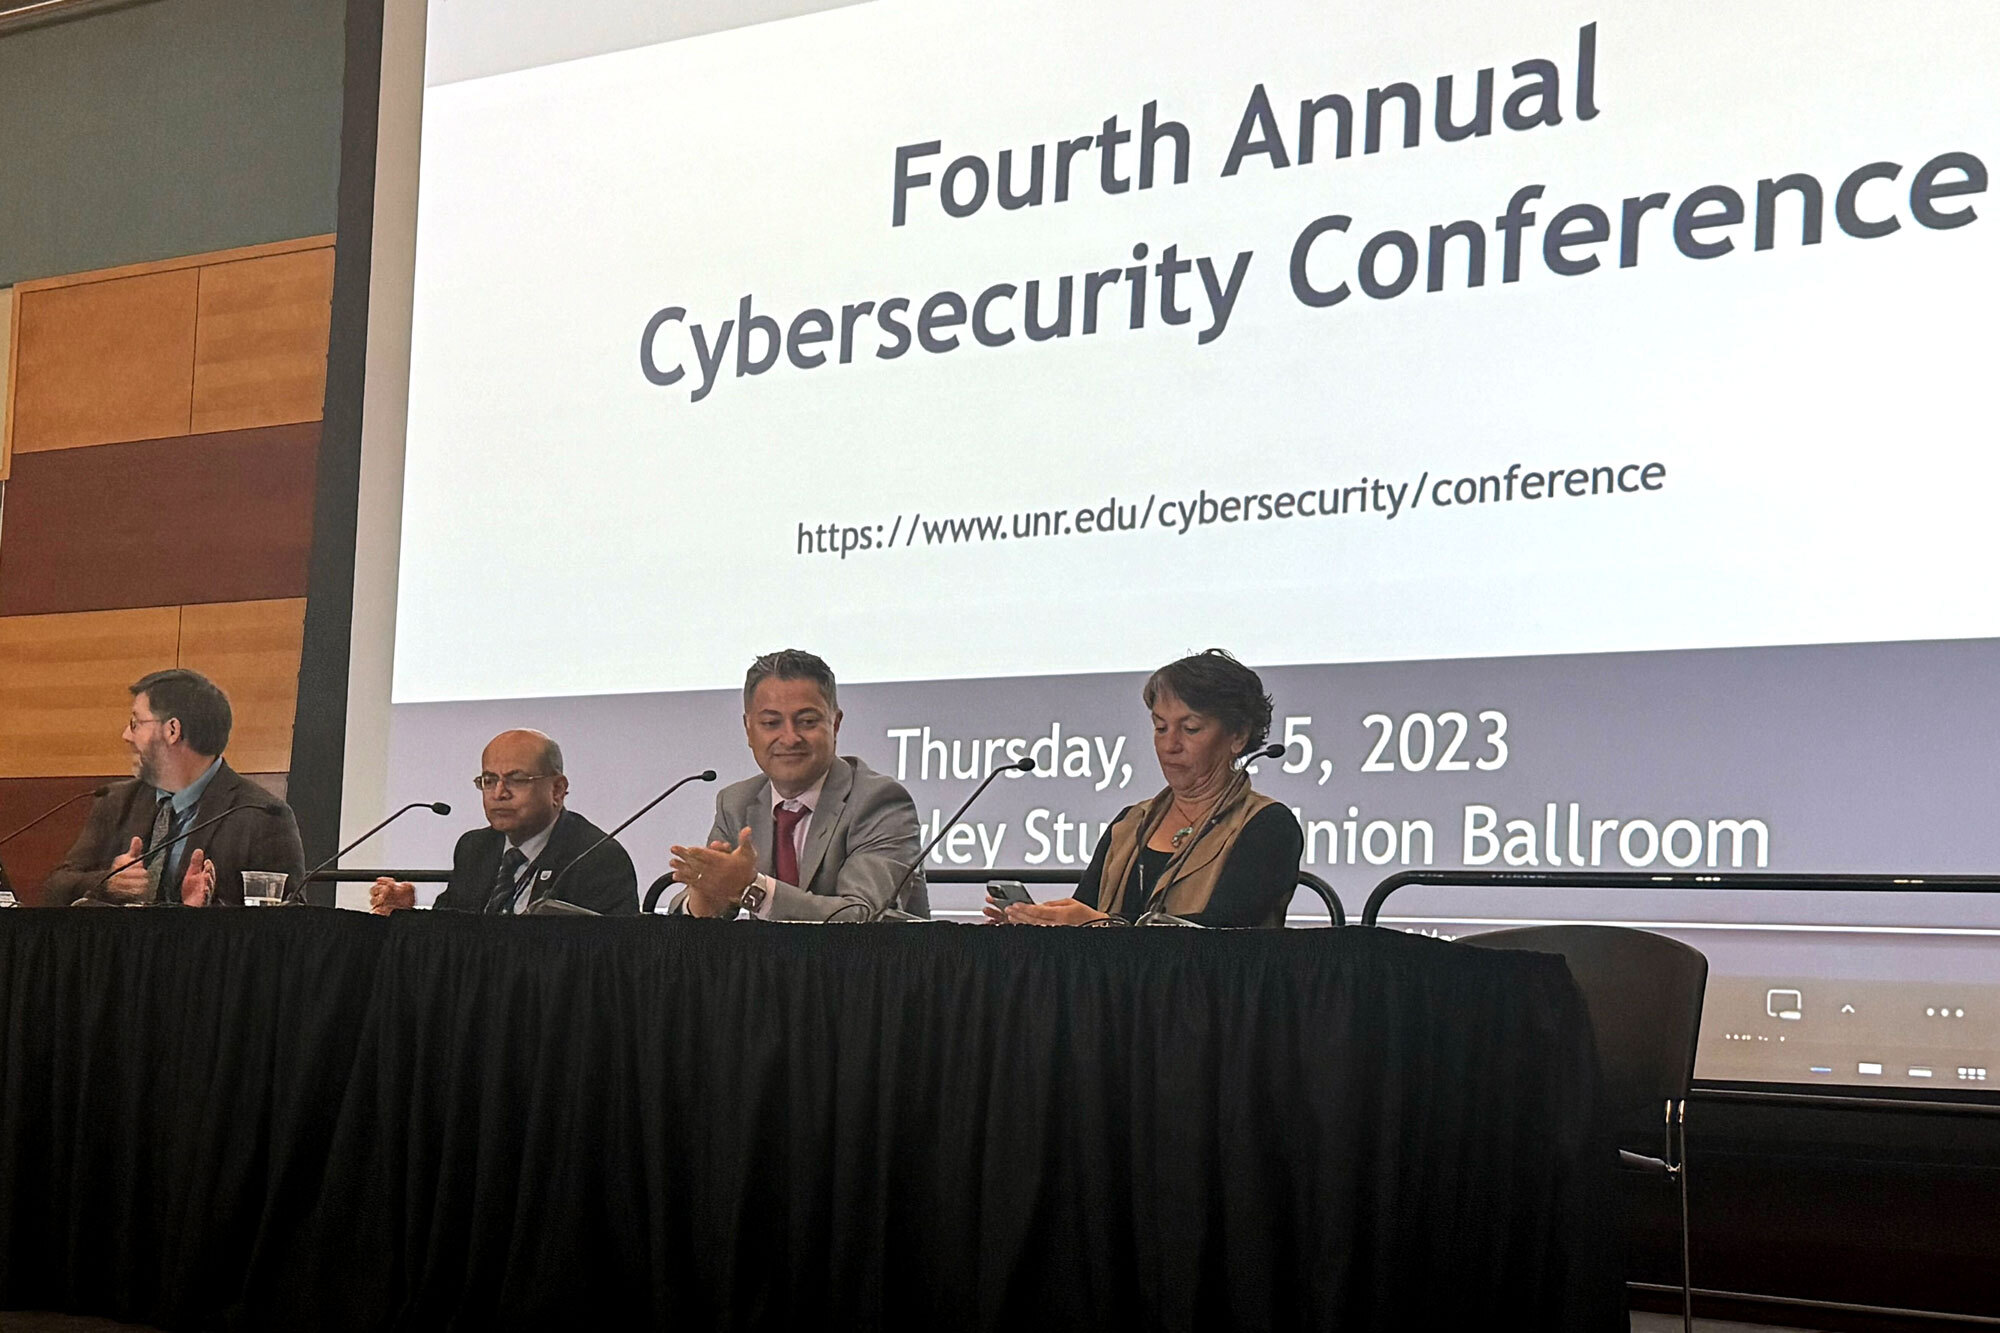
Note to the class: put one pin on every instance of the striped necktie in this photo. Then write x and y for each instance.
(506, 883)
(156, 867)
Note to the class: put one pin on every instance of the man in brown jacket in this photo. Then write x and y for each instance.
(179, 727)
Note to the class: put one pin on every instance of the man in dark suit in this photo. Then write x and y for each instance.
(179, 726)
(513, 864)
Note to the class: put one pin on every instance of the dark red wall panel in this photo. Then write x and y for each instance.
(30, 857)
(201, 518)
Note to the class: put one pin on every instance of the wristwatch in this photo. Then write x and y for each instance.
(754, 895)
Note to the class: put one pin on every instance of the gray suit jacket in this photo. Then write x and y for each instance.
(862, 839)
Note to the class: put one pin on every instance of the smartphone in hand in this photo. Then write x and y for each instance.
(1005, 892)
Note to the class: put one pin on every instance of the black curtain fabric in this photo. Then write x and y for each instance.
(474, 1123)
(169, 1082)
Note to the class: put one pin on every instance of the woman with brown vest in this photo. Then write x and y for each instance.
(1208, 849)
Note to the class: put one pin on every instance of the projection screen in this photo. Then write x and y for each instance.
(1573, 412)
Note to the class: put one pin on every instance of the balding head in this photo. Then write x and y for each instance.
(547, 753)
(530, 789)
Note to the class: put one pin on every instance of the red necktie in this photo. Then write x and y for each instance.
(785, 856)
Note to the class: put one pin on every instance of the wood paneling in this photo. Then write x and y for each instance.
(198, 383)
(101, 362)
(209, 518)
(30, 857)
(179, 262)
(63, 686)
(251, 650)
(260, 341)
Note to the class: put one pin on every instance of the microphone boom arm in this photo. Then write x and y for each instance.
(298, 895)
(706, 775)
(1019, 766)
(51, 813)
(266, 807)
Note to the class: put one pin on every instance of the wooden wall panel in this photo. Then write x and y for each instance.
(251, 649)
(30, 857)
(108, 361)
(209, 518)
(260, 341)
(62, 687)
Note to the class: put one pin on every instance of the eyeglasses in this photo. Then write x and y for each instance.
(135, 721)
(491, 781)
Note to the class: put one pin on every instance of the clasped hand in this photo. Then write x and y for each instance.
(387, 895)
(715, 875)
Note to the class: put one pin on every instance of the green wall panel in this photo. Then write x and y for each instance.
(166, 129)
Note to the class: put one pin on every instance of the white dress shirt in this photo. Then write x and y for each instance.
(532, 848)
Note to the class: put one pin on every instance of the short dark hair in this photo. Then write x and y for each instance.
(1218, 685)
(194, 700)
(790, 664)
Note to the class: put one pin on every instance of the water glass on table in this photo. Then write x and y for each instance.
(263, 888)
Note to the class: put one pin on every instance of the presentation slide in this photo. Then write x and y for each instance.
(1574, 412)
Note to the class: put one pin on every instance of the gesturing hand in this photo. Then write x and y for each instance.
(715, 875)
(198, 884)
(128, 876)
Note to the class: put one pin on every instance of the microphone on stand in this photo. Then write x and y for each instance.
(267, 807)
(706, 775)
(51, 813)
(296, 896)
(889, 910)
(1155, 916)
(7, 888)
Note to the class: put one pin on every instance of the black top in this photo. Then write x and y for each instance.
(605, 883)
(1257, 880)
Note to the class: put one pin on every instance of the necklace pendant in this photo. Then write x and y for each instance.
(1181, 835)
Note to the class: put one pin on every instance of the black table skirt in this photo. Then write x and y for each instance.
(311, 1119)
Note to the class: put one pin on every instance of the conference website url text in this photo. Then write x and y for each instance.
(1181, 515)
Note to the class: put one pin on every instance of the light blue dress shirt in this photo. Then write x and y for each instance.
(184, 800)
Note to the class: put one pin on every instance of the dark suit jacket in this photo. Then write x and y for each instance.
(605, 883)
(247, 840)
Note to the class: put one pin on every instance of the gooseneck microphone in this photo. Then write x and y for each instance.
(267, 807)
(1018, 766)
(1158, 916)
(706, 775)
(297, 893)
(53, 811)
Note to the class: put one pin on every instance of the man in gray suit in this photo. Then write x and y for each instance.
(820, 835)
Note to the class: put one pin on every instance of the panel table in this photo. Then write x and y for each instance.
(311, 1119)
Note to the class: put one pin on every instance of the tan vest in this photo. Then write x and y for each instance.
(1188, 882)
